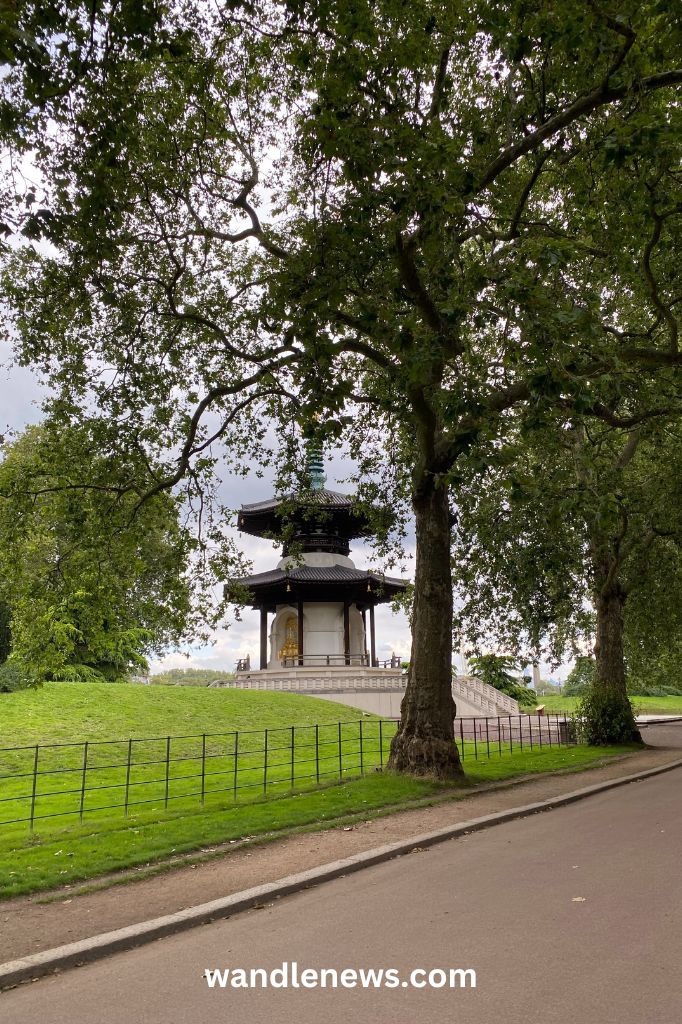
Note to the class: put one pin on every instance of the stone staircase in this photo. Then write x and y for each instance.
(373, 689)
(474, 697)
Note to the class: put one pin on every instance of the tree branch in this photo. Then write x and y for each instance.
(584, 105)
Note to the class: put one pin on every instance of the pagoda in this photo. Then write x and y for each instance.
(316, 608)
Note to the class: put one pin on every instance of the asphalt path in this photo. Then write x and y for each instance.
(571, 916)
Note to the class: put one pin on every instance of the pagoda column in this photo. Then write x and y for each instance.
(364, 634)
(263, 638)
(373, 641)
(346, 632)
(300, 632)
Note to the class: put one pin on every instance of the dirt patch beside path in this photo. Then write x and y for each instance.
(28, 926)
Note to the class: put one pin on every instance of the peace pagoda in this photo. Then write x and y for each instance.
(317, 625)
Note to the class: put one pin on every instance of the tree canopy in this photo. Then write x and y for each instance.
(92, 584)
(412, 218)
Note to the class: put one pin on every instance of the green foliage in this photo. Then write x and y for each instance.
(495, 670)
(653, 625)
(571, 514)
(190, 677)
(14, 676)
(605, 718)
(93, 582)
(5, 632)
(658, 674)
(580, 677)
(548, 689)
(414, 218)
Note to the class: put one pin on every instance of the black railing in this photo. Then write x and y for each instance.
(50, 781)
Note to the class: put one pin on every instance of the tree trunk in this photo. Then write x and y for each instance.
(609, 688)
(608, 647)
(424, 743)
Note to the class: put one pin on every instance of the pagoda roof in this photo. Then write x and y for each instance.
(338, 513)
(322, 583)
(308, 498)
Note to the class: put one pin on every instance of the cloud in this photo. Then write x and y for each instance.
(21, 395)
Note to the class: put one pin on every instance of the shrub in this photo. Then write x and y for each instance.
(606, 718)
(14, 677)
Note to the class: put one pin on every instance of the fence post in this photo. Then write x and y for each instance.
(487, 736)
(540, 730)
(340, 755)
(265, 763)
(511, 742)
(362, 763)
(203, 766)
(317, 753)
(236, 757)
(35, 783)
(293, 743)
(475, 743)
(549, 730)
(85, 768)
(530, 730)
(381, 743)
(461, 735)
(127, 795)
(168, 744)
(521, 732)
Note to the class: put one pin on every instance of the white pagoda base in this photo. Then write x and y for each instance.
(377, 690)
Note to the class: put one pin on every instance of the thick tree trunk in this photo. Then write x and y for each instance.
(609, 690)
(424, 743)
(608, 647)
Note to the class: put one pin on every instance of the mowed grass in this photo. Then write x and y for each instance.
(642, 705)
(74, 712)
(208, 747)
(71, 853)
(188, 802)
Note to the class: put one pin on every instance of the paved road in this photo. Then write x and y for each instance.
(500, 902)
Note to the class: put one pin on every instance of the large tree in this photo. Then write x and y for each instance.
(93, 584)
(578, 532)
(392, 211)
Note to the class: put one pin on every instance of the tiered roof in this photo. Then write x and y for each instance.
(362, 587)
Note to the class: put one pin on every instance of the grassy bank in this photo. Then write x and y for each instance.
(59, 855)
(180, 794)
(74, 712)
(642, 705)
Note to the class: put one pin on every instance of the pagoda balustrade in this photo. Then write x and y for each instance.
(330, 660)
(327, 661)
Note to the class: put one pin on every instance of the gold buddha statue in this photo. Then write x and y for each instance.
(289, 648)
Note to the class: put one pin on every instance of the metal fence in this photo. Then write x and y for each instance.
(49, 781)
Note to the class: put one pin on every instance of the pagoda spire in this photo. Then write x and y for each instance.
(315, 465)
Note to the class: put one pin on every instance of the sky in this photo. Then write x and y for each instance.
(20, 399)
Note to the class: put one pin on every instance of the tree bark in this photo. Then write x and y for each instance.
(425, 744)
(610, 677)
(608, 647)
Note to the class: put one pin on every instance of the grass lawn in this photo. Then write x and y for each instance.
(59, 854)
(74, 712)
(642, 705)
(188, 748)
(164, 781)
